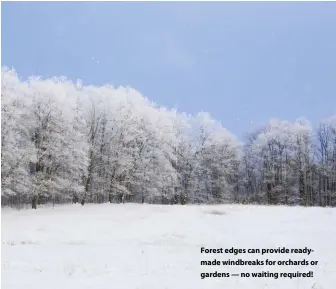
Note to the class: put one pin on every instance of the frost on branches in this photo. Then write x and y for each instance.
(64, 142)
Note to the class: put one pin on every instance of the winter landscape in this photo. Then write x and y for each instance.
(73, 153)
(189, 145)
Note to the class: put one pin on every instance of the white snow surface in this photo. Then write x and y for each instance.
(135, 246)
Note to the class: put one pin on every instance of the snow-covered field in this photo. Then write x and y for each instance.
(148, 246)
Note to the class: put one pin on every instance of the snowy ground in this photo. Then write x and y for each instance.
(145, 246)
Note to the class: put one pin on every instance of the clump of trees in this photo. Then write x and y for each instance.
(288, 163)
(63, 142)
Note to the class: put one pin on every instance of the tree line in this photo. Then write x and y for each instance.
(63, 142)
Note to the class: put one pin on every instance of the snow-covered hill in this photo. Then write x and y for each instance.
(152, 247)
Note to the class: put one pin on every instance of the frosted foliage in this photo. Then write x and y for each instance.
(63, 141)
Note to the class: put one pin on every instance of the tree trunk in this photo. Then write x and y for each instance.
(34, 203)
(75, 199)
(182, 199)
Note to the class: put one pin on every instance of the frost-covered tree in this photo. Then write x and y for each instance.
(325, 150)
(45, 139)
(58, 139)
(214, 168)
(278, 164)
(17, 149)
